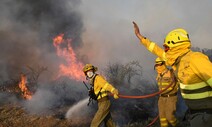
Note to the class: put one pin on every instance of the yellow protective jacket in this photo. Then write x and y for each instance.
(102, 86)
(194, 72)
(164, 79)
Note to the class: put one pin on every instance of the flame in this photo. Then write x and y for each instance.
(73, 67)
(22, 85)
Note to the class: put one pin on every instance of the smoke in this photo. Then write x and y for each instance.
(109, 35)
(6, 98)
(53, 98)
(42, 102)
(27, 28)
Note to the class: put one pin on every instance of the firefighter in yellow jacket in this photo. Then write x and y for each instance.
(168, 99)
(101, 88)
(194, 72)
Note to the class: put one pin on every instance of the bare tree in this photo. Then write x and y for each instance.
(33, 73)
(120, 74)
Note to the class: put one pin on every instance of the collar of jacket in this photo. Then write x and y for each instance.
(176, 52)
(179, 58)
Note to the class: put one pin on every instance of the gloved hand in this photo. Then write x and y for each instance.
(115, 94)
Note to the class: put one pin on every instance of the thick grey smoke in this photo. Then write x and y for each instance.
(27, 28)
(43, 100)
(53, 97)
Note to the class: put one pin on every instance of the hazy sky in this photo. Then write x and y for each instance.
(101, 30)
(109, 33)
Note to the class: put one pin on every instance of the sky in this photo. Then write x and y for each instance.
(101, 31)
(109, 34)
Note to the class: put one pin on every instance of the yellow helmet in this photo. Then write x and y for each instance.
(159, 61)
(89, 67)
(175, 38)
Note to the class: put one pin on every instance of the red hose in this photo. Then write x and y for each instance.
(148, 95)
(153, 121)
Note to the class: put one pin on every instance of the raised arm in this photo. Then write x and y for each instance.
(151, 46)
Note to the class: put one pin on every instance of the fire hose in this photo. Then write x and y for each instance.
(145, 96)
(148, 96)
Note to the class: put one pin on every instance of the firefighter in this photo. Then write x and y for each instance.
(193, 70)
(101, 89)
(168, 99)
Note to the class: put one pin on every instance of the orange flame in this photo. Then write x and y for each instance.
(22, 85)
(73, 69)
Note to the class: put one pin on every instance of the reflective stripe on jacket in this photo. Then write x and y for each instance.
(195, 74)
(164, 80)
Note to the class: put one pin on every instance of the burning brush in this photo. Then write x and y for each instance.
(73, 67)
(26, 94)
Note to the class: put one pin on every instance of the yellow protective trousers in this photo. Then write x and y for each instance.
(167, 108)
(103, 114)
